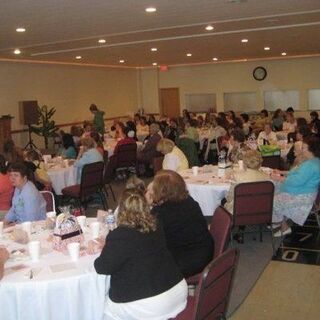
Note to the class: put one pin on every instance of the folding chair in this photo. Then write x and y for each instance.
(253, 205)
(213, 293)
(220, 229)
(49, 198)
(91, 183)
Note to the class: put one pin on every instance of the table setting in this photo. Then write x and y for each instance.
(208, 185)
(62, 173)
(43, 283)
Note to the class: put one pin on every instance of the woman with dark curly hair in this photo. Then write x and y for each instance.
(145, 281)
(298, 190)
(185, 228)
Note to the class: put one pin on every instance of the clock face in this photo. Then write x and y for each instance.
(259, 73)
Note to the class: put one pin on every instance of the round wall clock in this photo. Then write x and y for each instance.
(259, 73)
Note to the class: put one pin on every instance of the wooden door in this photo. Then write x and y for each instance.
(170, 102)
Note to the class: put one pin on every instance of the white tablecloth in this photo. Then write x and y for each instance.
(62, 177)
(77, 293)
(207, 188)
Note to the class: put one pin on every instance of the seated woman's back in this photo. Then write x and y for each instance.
(186, 230)
(145, 281)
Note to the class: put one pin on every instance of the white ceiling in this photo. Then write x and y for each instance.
(59, 30)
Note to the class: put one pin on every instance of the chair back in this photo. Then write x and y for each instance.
(213, 292)
(91, 179)
(126, 155)
(157, 164)
(49, 198)
(220, 229)
(253, 203)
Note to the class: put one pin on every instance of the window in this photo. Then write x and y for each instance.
(240, 101)
(314, 99)
(281, 99)
(201, 102)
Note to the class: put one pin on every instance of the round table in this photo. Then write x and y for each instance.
(62, 177)
(207, 188)
(60, 289)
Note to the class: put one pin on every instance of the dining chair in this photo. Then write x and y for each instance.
(253, 206)
(211, 298)
(91, 184)
(49, 198)
(126, 156)
(220, 228)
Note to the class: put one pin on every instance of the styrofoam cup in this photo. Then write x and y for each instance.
(26, 226)
(195, 170)
(74, 251)
(1, 228)
(34, 250)
(82, 221)
(241, 165)
(51, 215)
(95, 228)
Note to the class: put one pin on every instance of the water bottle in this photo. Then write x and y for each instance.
(111, 220)
(222, 159)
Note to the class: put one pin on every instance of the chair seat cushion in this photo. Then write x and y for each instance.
(188, 312)
(72, 191)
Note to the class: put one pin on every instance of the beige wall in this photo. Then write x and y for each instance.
(70, 89)
(295, 74)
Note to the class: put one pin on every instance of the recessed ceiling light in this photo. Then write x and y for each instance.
(215, 59)
(266, 48)
(283, 53)
(151, 9)
(189, 54)
(78, 57)
(121, 61)
(17, 51)
(154, 49)
(154, 64)
(102, 41)
(244, 40)
(209, 28)
(20, 29)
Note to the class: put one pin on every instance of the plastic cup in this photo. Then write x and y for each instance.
(1, 228)
(34, 250)
(95, 228)
(51, 215)
(82, 221)
(101, 216)
(195, 170)
(74, 251)
(66, 163)
(26, 226)
(241, 165)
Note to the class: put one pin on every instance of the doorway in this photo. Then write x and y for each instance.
(170, 102)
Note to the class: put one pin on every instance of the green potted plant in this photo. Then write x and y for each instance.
(46, 127)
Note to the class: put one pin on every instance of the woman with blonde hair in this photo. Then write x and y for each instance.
(187, 235)
(174, 158)
(145, 281)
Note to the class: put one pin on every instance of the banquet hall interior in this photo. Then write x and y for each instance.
(205, 112)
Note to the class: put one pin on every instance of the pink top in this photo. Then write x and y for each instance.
(6, 192)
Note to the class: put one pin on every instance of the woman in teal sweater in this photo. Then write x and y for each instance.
(298, 190)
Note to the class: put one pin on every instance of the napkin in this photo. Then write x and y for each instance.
(62, 267)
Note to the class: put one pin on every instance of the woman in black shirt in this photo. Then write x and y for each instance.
(185, 228)
(145, 281)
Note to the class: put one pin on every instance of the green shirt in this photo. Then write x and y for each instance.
(98, 121)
